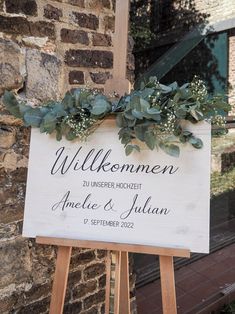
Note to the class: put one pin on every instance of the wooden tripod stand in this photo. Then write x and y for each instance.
(121, 293)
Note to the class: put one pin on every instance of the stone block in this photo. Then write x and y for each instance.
(99, 4)
(1, 5)
(94, 270)
(93, 310)
(100, 77)
(90, 21)
(101, 254)
(12, 66)
(15, 262)
(89, 58)
(84, 289)
(82, 258)
(94, 299)
(18, 25)
(74, 36)
(42, 29)
(78, 3)
(7, 137)
(44, 85)
(38, 307)
(109, 23)
(27, 7)
(75, 77)
(43, 262)
(52, 13)
(14, 25)
(7, 304)
(73, 308)
(99, 39)
(102, 282)
(10, 231)
(74, 278)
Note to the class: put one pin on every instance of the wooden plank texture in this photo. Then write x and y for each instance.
(134, 248)
(125, 285)
(168, 285)
(60, 280)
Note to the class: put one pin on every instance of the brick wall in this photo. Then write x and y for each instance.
(46, 48)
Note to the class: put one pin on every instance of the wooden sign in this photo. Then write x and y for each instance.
(93, 191)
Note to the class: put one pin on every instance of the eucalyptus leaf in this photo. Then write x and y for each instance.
(140, 132)
(170, 149)
(144, 105)
(33, 117)
(150, 140)
(12, 104)
(129, 149)
(48, 124)
(198, 144)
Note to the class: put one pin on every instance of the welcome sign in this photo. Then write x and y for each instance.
(93, 191)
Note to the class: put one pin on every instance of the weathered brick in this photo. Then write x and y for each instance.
(28, 7)
(94, 270)
(38, 307)
(94, 299)
(101, 254)
(82, 258)
(74, 278)
(73, 308)
(76, 77)
(38, 292)
(102, 281)
(14, 25)
(20, 25)
(52, 13)
(99, 4)
(42, 29)
(100, 78)
(90, 21)
(108, 23)
(84, 289)
(1, 5)
(79, 3)
(99, 39)
(93, 310)
(74, 36)
(89, 58)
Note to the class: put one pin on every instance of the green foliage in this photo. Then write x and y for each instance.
(151, 115)
(228, 309)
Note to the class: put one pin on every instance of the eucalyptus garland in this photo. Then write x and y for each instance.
(152, 114)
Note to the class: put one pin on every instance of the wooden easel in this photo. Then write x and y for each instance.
(120, 85)
(166, 269)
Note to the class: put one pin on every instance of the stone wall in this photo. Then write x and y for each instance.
(46, 48)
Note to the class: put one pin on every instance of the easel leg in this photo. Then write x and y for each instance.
(108, 283)
(117, 283)
(124, 284)
(60, 279)
(168, 285)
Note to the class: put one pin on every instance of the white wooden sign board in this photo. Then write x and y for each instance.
(92, 191)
